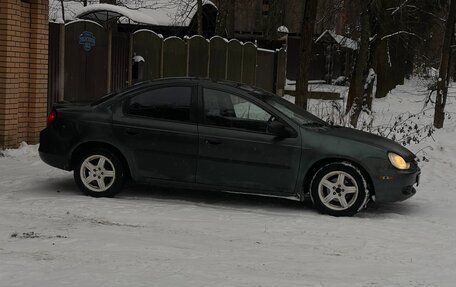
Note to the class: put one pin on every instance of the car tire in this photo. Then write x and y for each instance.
(99, 173)
(339, 189)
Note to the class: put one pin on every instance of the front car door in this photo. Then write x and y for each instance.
(236, 152)
(157, 126)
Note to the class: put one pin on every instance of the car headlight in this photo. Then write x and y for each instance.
(398, 161)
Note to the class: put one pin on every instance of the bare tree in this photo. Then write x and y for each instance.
(225, 18)
(444, 72)
(358, 88)
(273, 19)
(305, 53)
(63, 10)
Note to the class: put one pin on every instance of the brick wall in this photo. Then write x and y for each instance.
(23, 70)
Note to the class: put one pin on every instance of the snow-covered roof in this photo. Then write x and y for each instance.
(339, 39)
(71, 8)
(106, 12)
(149, 12)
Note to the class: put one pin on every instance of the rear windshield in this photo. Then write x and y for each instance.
(113, 94)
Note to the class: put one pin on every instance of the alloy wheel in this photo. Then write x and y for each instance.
(338, 190)
(97, 173)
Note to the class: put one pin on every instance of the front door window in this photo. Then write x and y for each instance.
(228, 110)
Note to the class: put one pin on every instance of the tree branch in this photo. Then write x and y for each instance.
(399, 7)
(399, 33)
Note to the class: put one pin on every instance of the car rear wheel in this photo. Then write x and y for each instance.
(99, 173)
(339, 189)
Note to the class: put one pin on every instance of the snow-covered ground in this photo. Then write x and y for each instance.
(51, 235)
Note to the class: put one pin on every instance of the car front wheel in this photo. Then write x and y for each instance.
(339, 189)
(99, 173)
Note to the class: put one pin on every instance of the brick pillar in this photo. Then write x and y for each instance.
(38, 73)
(23, 70)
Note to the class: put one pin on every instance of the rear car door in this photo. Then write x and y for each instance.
(158, 128)
(236, 152)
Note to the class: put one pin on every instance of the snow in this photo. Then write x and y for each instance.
(265, 50)
(84, 20)
(149, 31)
(59, 21)
(103, 10)
(51, 235)
(341, 40)
(138, 59)
(283, 29)
(150, 12)
(370, 78)
(70, 7)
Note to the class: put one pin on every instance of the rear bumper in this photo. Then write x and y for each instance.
(52, 150)
(57, 161)
(397, 187)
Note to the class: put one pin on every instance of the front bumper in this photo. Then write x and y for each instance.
(397, 185)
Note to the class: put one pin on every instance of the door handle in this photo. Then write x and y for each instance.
(212, 141)
(131, 132)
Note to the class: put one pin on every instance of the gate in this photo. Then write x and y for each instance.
(86, 61)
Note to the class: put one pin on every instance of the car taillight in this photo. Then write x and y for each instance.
(51, 117)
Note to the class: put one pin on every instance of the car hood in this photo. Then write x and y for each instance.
(371, 139)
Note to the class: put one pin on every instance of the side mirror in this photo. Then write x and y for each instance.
(278, 129)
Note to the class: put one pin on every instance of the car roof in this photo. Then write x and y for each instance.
(230, 85)
(250, 89)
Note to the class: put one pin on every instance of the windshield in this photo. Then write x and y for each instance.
(289, 109)
(294, 112)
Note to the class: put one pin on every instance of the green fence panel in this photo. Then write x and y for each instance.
(265, 69)
(234, 61)
(174, 57)
(148, 45)
(198, 56)
(217, 58)
(249, 61)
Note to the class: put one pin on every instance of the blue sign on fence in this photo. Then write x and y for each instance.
(87, 40)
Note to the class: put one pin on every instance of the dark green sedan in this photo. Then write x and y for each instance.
(224, 136)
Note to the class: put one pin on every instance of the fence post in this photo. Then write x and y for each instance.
(61, 63)
(174, 57)
(249, 65)
(281, 72)
(109, 63)
(187, 64)
(149, 45)
(217, 61)
(234, 61)
(162, 57)
(130, 63)
(197, 56)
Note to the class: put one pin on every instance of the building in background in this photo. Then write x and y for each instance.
(258, 21)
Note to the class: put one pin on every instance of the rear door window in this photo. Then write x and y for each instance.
(167, 103)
